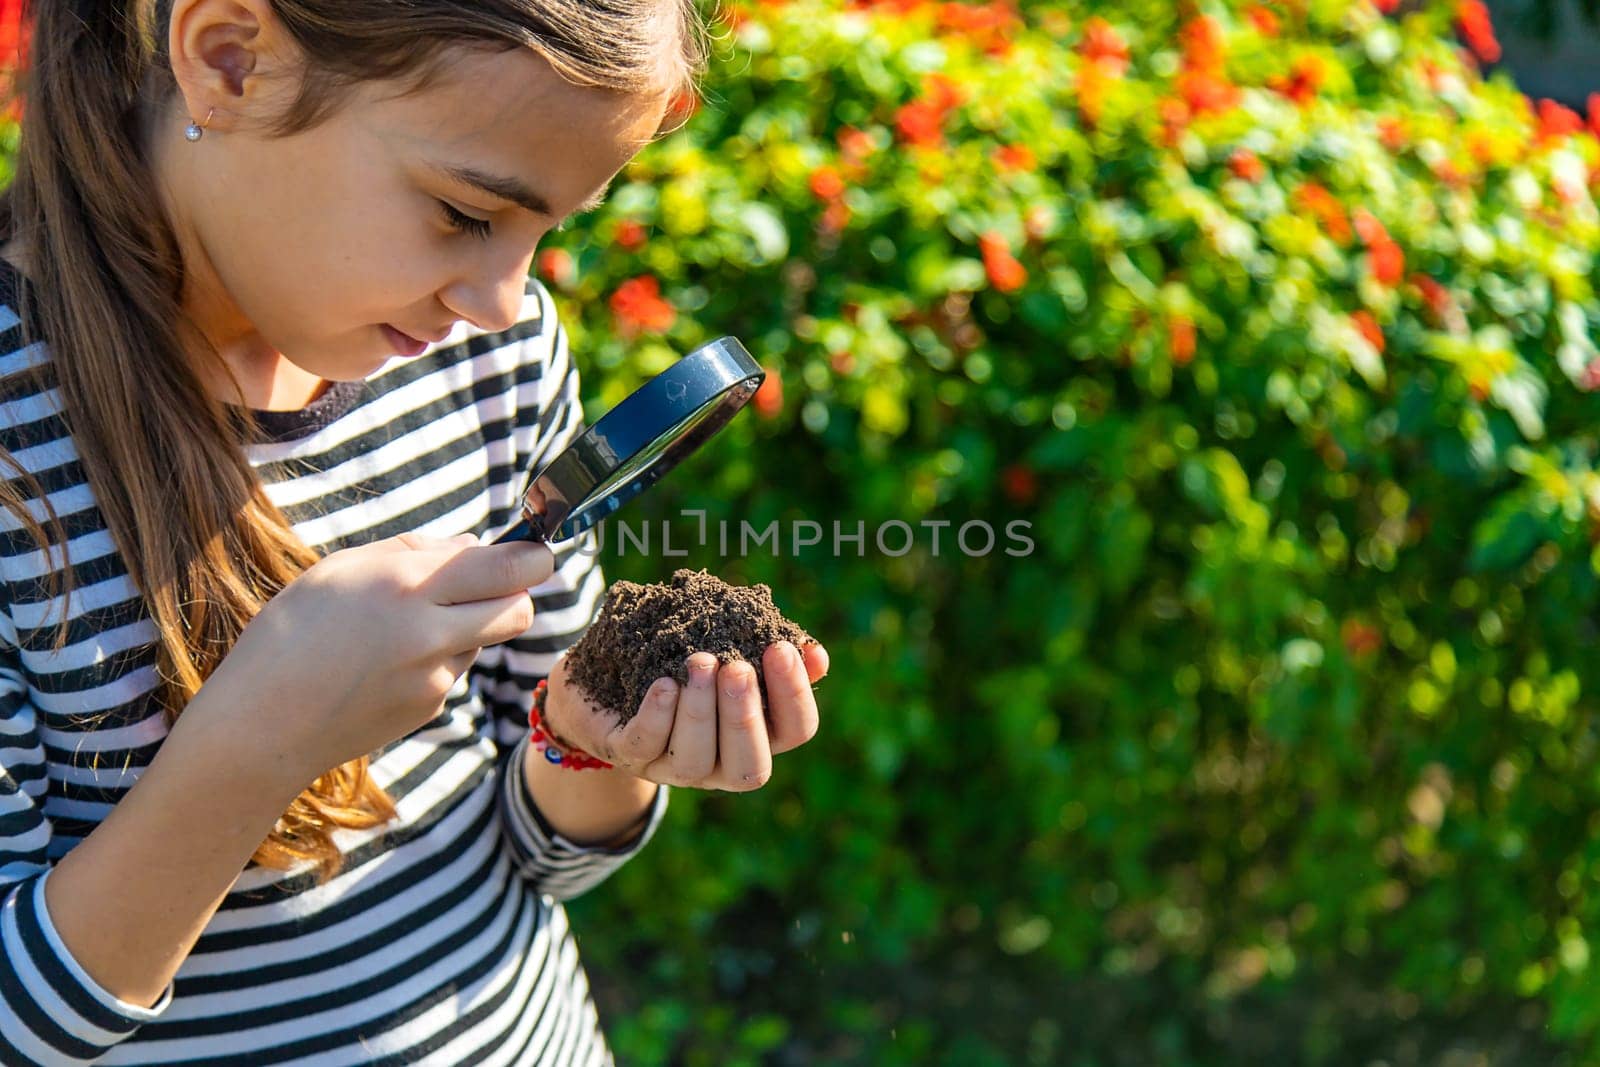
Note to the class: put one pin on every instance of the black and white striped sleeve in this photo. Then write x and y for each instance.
(564, 606)
(51, 1011)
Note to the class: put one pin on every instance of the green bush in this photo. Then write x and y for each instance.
(1275, 324)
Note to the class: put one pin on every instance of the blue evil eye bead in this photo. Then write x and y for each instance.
(553, 755)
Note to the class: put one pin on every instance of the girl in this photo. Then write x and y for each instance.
(271, 372)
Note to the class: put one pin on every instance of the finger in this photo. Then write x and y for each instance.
(487, 622)
(816, 658)
(692, 751)
(742, 749)
(643, 739)
(791, 709)
(490, 571)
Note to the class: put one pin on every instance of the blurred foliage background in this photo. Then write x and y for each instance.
(1275, 322)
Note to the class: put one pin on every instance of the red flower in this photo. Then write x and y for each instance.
(1010, 157)
(557, 267)
(1263, 19)
(856, 144)
(1591, 377)
(1315, 200)
(638, 307)
(1005, 273)
(1594, 113)
(1556, 120)
(1435, 298)
(1472, 19)
(943, 93)
(826, 184)
(1388, 7)
(1206, 92)
(1180, 331)
(1304, 80)
(1174, 119)
(1104, 47)
(920, 123)
(1369, 328)
(11, 34)
(1387, 260)
(1019, 483)
(1360, 639)
(1246, 165)
(630, 235)
(768, 400)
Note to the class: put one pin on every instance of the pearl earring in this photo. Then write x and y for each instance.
(193, 131)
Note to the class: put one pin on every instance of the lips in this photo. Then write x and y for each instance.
(404, 343)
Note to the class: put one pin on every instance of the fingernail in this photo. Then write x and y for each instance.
(700, 674)
(666, 691)
(737, 682)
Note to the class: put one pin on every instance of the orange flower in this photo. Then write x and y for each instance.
(1104, 47)
(1472, 19)
(1011, 157)
(1174, 115)
(1369, 328)
(557, 267)
(1304, 80)
(1244, 164)
(856, 144)
(1392, 132)
(1202, 44)
(1387, 260)
(835, 216)
(1315, 200)
(1091, 92)
(920, 123)
(1263, 19)
(630, 235)
(1594, 113)
(1005, 273)
(943, 93)
(842, 362)
(826, 184)
(768, 400)
(1180, 332)
(638, 307)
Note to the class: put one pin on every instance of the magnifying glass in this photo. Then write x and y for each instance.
(637, 442)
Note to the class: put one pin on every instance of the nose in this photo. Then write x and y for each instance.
(490, 299)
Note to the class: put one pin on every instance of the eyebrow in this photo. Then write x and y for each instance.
(512, 189)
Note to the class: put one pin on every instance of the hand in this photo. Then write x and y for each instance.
(703, 735)
(364, 646)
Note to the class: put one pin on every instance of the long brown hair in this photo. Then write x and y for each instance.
(163, 457)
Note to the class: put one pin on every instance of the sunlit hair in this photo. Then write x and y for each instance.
(164, 458)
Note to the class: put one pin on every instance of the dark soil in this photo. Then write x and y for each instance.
(645, 632)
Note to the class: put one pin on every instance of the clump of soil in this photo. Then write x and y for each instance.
(645, 632)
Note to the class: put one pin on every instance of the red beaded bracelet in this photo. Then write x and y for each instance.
(555, 751)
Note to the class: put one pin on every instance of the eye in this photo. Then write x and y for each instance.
(465, 223)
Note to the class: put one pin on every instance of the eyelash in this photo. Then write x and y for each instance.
(478, 228)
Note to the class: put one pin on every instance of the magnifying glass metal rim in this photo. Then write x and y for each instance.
(720, 373)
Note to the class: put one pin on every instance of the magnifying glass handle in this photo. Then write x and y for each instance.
(522, 531)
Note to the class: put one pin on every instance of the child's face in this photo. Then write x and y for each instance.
(306, 246)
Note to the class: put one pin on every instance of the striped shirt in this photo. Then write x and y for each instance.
(443, 940)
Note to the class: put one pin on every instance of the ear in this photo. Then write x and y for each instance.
(231, 55)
